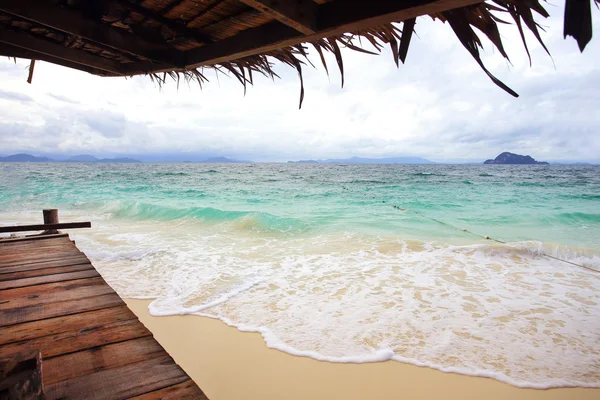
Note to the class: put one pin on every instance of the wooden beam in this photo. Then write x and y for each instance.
(30, 42)
(74, 23)
(333, 18)
(181, 29)
(297, 14)
(41, 227)
(12, 51)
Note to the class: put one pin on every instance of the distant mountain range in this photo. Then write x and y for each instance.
(512, 158)
(359, 160)
(223, 160)
(81, 158)
(24, 158)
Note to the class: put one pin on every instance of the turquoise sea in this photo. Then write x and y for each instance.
(351, 263)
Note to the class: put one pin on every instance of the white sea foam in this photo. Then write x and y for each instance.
(492, 310)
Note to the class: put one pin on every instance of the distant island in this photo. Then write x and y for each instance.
(81, 158)
(359, 160)
(512, 158)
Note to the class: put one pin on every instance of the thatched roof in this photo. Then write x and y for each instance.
(182, 38)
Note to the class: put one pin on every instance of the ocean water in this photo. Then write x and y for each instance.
(319, 261)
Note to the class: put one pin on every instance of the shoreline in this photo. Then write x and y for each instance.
(229, 364)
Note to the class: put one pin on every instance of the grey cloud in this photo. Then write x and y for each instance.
(15, 96)
(63, 98)
(108, 124)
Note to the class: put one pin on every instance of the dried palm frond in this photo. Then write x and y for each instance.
(484, 17)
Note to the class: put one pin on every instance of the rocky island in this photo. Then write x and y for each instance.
(511, 158)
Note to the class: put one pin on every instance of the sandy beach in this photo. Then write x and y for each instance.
(229, 364)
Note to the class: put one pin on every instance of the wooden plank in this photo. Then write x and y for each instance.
(26, 254)
(127, 381)
(25, 264)
(77, 340)
(183, 390)
(85, 299)
(39, 312)
(110, 356)
(7, 248)
(50, 292)
(33, 252)
(297, 14)
(75, 322)
(42, 227)
(30, 273)
(9, 240)
(38, 280)
(333, 18)
(35, 240)
(71, 261)
(30, 42)
(39, 243)
(74, 23)
(21, 260)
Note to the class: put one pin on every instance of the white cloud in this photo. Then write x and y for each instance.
(439, 105)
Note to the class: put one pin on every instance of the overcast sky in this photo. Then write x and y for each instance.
(439, 105)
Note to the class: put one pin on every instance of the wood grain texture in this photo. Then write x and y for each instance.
(81, 363)
(53, 326)
(48, 278)
(54, 302)
(61, 262)
(118, 383)
(183, 390)
(77, 340)
(30, 273)
(11, 316)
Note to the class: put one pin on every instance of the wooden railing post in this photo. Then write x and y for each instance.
(51, 217)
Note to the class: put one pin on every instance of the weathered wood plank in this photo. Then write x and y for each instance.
(77, 340)
(11, 248)
(51, 292)
(75, 365)
(35, 312)
(43, 227)
(39, 280)
(30, 244)
(49, 262)
(57, 325)
(20, 239)
(127, 381)
(34, 240)
(183, 390)
(24, 258)
(40, 269)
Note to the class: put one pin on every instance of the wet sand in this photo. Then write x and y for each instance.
(229, 364)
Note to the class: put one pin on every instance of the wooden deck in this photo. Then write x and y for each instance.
(53, 300)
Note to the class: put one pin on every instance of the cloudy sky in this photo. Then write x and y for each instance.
(439, 105)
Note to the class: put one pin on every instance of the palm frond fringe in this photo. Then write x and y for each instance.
(483, 17)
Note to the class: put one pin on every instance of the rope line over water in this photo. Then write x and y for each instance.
(403, 209)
